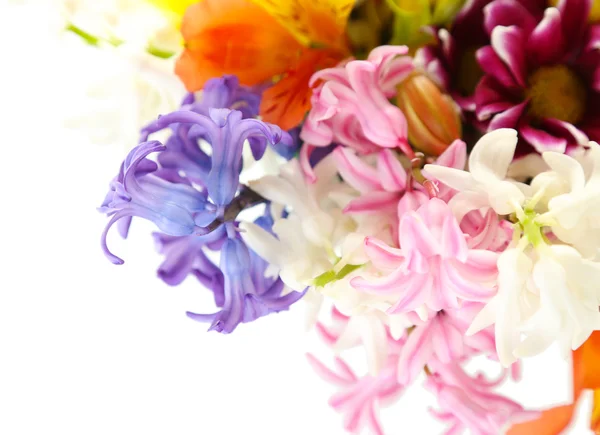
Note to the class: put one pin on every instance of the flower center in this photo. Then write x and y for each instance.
(556, 92)
(469, 72)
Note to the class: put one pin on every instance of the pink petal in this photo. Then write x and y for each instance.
(383, 54)
(415, 292)
(304, 157)
(542, 141)
(325, 373)
(417, 350)
(355, 171)
(453, 241)
(508, 13)
(490, 98)
(546, 44)
(481, 265)
(416, 236)
(373, 202)
(396, 71)
(447, 341)
(508, 43)
(463, 287)
(389, 128)
(411, 201)
(387, 284)
(345, 369)
(381, 255)
(509, 118)
(455, 155)
(390, 171)
(373, 421)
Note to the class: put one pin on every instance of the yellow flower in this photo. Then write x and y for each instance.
(173, 9)
(412, 15)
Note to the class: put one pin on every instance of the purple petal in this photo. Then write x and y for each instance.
(541, 140)
(509, 118)
(546, 44)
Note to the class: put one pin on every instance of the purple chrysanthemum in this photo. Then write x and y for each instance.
(541, 74)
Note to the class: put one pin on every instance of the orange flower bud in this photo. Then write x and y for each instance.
(433, 118)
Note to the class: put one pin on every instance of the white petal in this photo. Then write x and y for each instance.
(567, 168)
(492, 155)
(263, 243)
(454, 178)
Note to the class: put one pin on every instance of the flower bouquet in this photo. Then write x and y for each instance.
(422, 175)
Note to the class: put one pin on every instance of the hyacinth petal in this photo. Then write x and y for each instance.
(492, 155)
(542, 141)
(381, 55)
(325, 373)
(415, 236)
(463, 287)
(223, 178)
(382, 255)
(372, 202)
(203, 318)
(453, 240)
(455, 155)
(454, 178)
(355, 171)
(388, 130)
(508, 45)
(567, 168)
(385, 284)
(509, 118)
(390, 171)
(416, 352)
(411, 201)
(507, 13)
(484, 319)
(119, 215)
(262, 242)
(415, 291)
(546, 44)
(447, 341)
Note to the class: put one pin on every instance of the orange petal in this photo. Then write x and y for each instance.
(551, 422)
(312, 22)
(233, 37)
(287, 102)
(586, 375)
(595, 426)
(586, 361)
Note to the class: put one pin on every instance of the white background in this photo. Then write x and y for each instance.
(90, 348)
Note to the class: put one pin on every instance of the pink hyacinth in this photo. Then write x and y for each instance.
(359, 398)
(469, 402)
(442, 338)
(344, 102)
(434, 266)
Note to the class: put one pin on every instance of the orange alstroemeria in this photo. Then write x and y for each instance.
(263, 42)
(586, 375)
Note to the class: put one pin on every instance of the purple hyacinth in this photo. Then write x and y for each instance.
(140, 190)
(248, 294)
(193, 195)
